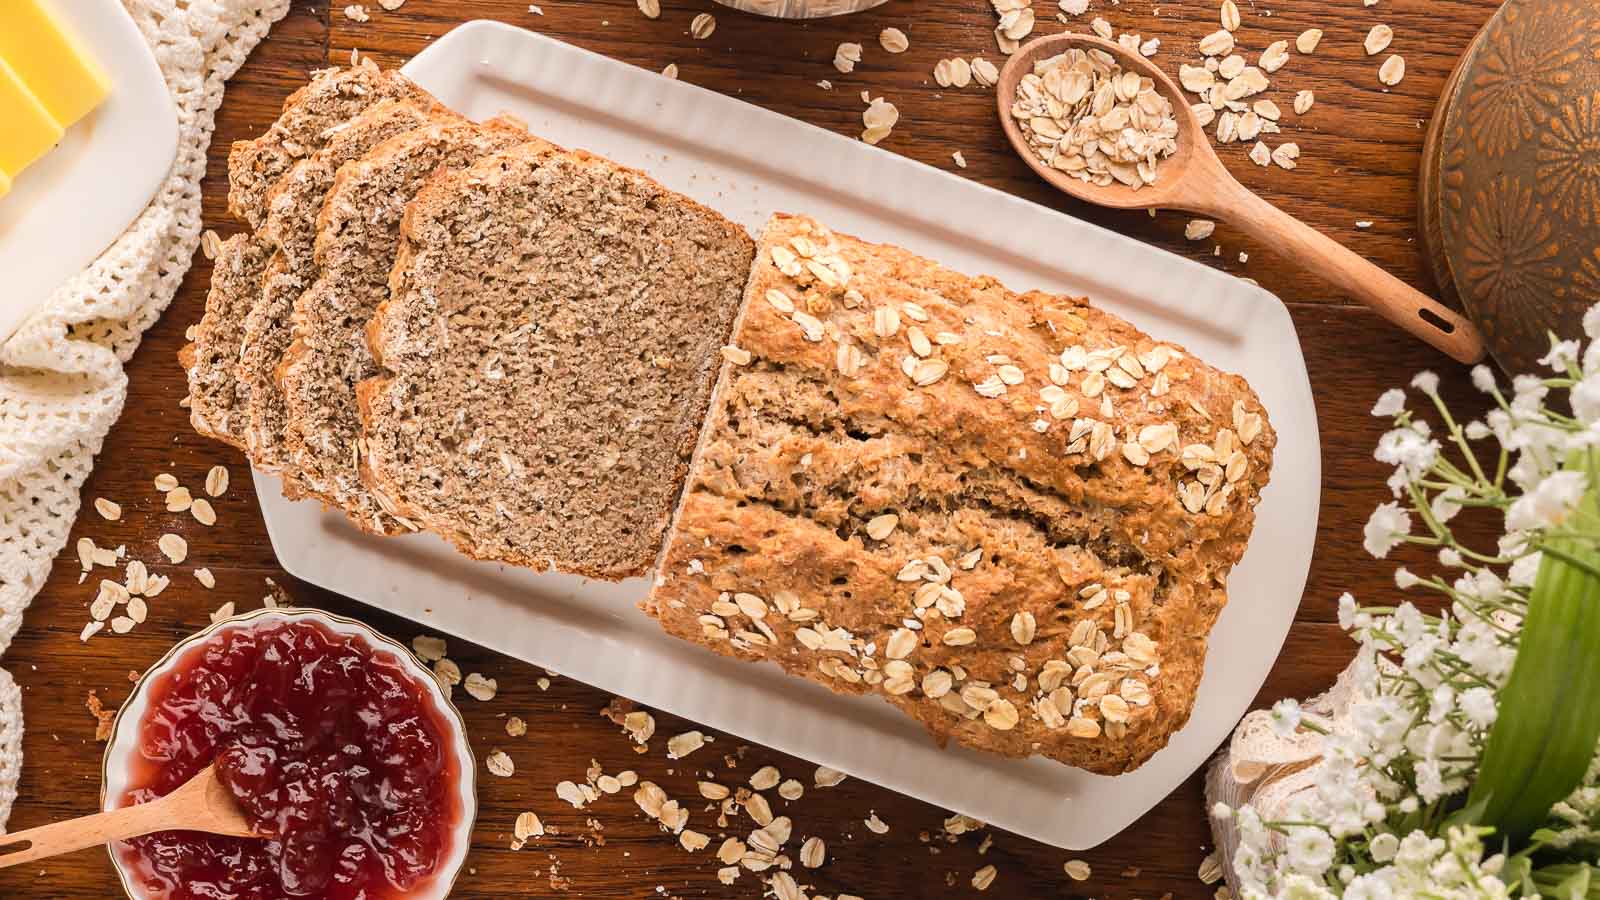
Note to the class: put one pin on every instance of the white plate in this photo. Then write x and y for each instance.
(749, 162)
(67, 208)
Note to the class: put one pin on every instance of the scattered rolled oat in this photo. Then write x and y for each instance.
(1082, 115)
(846, 57)
(528, 826)
(1274, 57)
(1077, 870)
(480, 688)
(1261, 154)
(1308, 40)
(429, 648)
(224, 611)
(499, 763)
(702, 26)
(791, 790)
(881, 526)
(813, 852)
(1199, 229)
(206, 579)
(391, 5)
(876, 825)
(166, 482)
(650, 8)
(879, 118)
(1210, 869)
(984, 877)
(961, 161)
(765, 778)
(670, 70)
(955, 72)
(122, 625)
(202, 511)
(1392, 70)
(355, 12)
(179, 499)
(1230, 15)
(827, 777)
(894, 40)
(1286, 154)
(681, 745)
(1101, 28)
(217, 481)
(1303, 101)
(107, 510)
(173, 547)
(1378, 39)
(984, 72)
(515, 727)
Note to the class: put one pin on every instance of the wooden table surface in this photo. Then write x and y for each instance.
(1361, 149)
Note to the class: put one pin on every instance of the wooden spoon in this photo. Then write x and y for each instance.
(202, 804)
(1194, 179)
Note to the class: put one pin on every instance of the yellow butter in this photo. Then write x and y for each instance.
(51, 60)
(29, 129)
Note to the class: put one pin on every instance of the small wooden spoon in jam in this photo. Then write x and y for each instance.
(203, 803)
(1194, 179)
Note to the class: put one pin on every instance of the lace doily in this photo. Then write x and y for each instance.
(62, 384)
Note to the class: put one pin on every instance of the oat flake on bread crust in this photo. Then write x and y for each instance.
(1068, 493)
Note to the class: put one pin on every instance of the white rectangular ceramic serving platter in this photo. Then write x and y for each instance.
(748, 162)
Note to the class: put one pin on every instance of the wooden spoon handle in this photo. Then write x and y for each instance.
(79, 834)
(1400, 303)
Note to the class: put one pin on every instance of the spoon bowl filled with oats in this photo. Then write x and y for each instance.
(1107, 126)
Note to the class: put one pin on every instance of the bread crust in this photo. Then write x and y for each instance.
(1088, 571)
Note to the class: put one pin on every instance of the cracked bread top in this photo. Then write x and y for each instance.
(1011, 516)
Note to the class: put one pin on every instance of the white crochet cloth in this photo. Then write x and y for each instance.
(62, 385)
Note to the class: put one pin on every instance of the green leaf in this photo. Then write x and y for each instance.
(1549, 709)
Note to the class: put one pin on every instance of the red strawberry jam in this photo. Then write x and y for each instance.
(326, 742)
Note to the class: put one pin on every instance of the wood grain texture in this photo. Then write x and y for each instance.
(1361, 151)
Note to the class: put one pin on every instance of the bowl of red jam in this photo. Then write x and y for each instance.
(333, 739)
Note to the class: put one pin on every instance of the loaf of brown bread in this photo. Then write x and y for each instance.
(547, 353)
(1011, 516)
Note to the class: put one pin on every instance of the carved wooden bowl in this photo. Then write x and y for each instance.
(1511, 177)
(802, 9)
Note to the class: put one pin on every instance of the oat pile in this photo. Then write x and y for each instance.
(1083, 115)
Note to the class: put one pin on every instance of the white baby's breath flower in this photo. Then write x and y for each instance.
(1562, 354)
(1286, 717)
(1450, 558)
(1483, 378)
(1476, 431)
(1549, 503)
(1383, 847)
(1347, 611)
(1426, 382)
(1310, 851)
(1591, 322)
(1585, 399)
(1390, 404)
(1478, 704)
(1404, 579)
(1385, 529)
(1409, 449)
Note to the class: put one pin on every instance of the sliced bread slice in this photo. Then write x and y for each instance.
(290, 229)
(332, 97)
(217, 401)
(548, 350)
(311, 115)
(358, 235)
